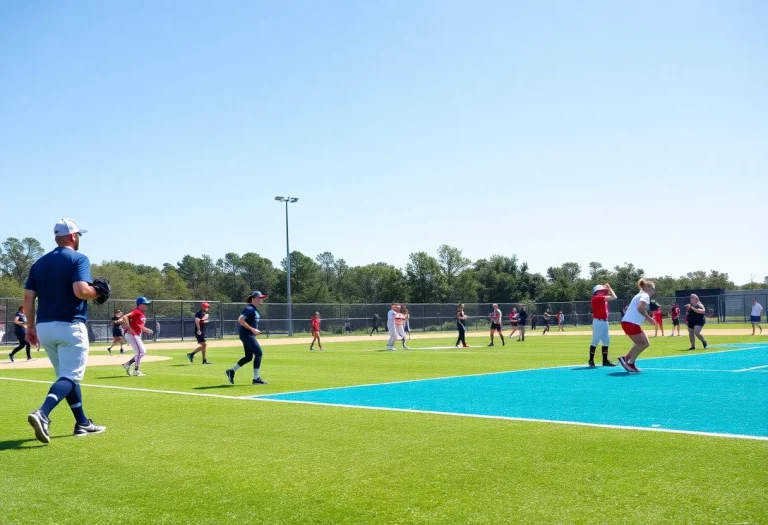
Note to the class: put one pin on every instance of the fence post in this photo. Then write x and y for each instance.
(181, 319)
(221, 320)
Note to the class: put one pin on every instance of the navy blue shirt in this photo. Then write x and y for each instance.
(52, 277)
(22, 319)
(251, 317)
(522, 317)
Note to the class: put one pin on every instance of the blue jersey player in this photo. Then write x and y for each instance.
(248, 330)
(60, 281)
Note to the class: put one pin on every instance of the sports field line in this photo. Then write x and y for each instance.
(752, 368)
(502, 372)
(525, 419)
(133, 389)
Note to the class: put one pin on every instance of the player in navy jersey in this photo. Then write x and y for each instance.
(248, 330)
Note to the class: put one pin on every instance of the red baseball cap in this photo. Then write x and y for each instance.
(205, 305)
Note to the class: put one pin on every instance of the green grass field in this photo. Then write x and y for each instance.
(170, 458)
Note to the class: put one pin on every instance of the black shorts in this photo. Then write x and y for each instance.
(675, 322)
(695, 324)
(116, 332)
(200, 338)
(495, 326)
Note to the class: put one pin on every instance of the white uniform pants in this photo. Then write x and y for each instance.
(600, 333)
(67, 347)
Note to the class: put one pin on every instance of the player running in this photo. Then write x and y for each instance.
(201, 322)
(496, 324)
(674, 314)
(695, 320)
(134, 322)
(756, 315)
(20, 331)
(117, 332)
(547, 315)
(602, 294)
(315, 326)
(59, 287)
(513, 320)
(249, 329)
(632, 322)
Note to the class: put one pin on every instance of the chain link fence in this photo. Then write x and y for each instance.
(174, 320)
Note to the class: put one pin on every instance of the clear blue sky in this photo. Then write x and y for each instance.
(559, 131)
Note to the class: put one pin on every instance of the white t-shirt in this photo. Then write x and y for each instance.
(757, 309)
(391, 318)
(632, 315)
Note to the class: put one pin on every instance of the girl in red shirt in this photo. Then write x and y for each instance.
(316, 331)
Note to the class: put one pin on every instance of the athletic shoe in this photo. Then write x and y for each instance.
(692, 348)
(230, 376)
(490, 344)
(606, 362)
(127, 368)
(390, 348)
(259, 381)
(591, 364)
(624, 364)
(406, 347)
(122, 351)
(90, 428)
(191, 357)
(138, 373)
(206, 362)
(311, 349)
(705, 345)
(465, 346)
(503, 343)
(40, 423)
(633, 368)
(10, 357)
(109, 350)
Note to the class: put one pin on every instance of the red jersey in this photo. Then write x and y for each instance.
(599, 308)
(675, 312)
(657, 316)
(136, 321)
(315, 324)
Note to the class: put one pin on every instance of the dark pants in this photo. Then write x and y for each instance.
(375, 329)
(462, 335)
(252, 351)
(21, 336)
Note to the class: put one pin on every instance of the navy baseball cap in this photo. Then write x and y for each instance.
(258, 294)
(142, 300)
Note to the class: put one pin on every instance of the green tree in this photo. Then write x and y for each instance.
(375, 283)
(624, 280)
(10, 288)
(17, 257)
(498, 279)
(426, 283)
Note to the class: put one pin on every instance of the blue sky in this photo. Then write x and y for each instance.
(557, 131)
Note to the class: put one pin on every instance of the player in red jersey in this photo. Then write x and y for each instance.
(134, 328)
(674, 314)
(315, 326)
(658, 319)
(602, 294)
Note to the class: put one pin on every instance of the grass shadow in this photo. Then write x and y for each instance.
(212, 387)
(17, 444)
(114, 377)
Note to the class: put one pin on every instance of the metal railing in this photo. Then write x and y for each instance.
(174, 320)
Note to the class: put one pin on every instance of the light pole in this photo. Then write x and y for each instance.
(288, 200)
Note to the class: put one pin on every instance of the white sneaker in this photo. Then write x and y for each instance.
(138, 373)
(127, 368)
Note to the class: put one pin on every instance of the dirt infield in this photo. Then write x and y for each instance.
(280, 341)
(40, 360)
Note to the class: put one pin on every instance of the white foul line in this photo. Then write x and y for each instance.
(753, 368)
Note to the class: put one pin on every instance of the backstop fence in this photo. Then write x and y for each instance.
(174, 320)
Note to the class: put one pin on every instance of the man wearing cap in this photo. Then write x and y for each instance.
(602, 294)
(60, 282)
(249, 329)
(201, 320)
(134, 328)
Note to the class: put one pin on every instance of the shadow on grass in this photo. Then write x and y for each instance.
(212, 387)
(121, 376)
(16, 444)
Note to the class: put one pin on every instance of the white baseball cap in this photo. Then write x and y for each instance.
(597, 288)
(66, 227)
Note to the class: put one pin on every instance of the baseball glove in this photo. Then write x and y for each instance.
(102, 286)
(653, 306)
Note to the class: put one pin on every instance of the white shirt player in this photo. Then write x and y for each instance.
(632, 315)
(391, 319)
(496, 316)
(757, 309)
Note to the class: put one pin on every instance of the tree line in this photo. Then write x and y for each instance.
(446, 277)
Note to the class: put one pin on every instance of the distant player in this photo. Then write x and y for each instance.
(461, 320)
(756, 315)
(547, 315)
(20, 331)
(56, 297)
(391, 326)
(201, 323)
(496, 324)
(695, 320)
(658, 318)
(513, 320)
(134, 322)
(315, 327)
(522, 317)
(400, 320)
(117, 332)
(375, 324)
(632, 323)
(248, 330)
(533, 321)
(560, 321)
(674, 314)
(407, 323)
(602, 294)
